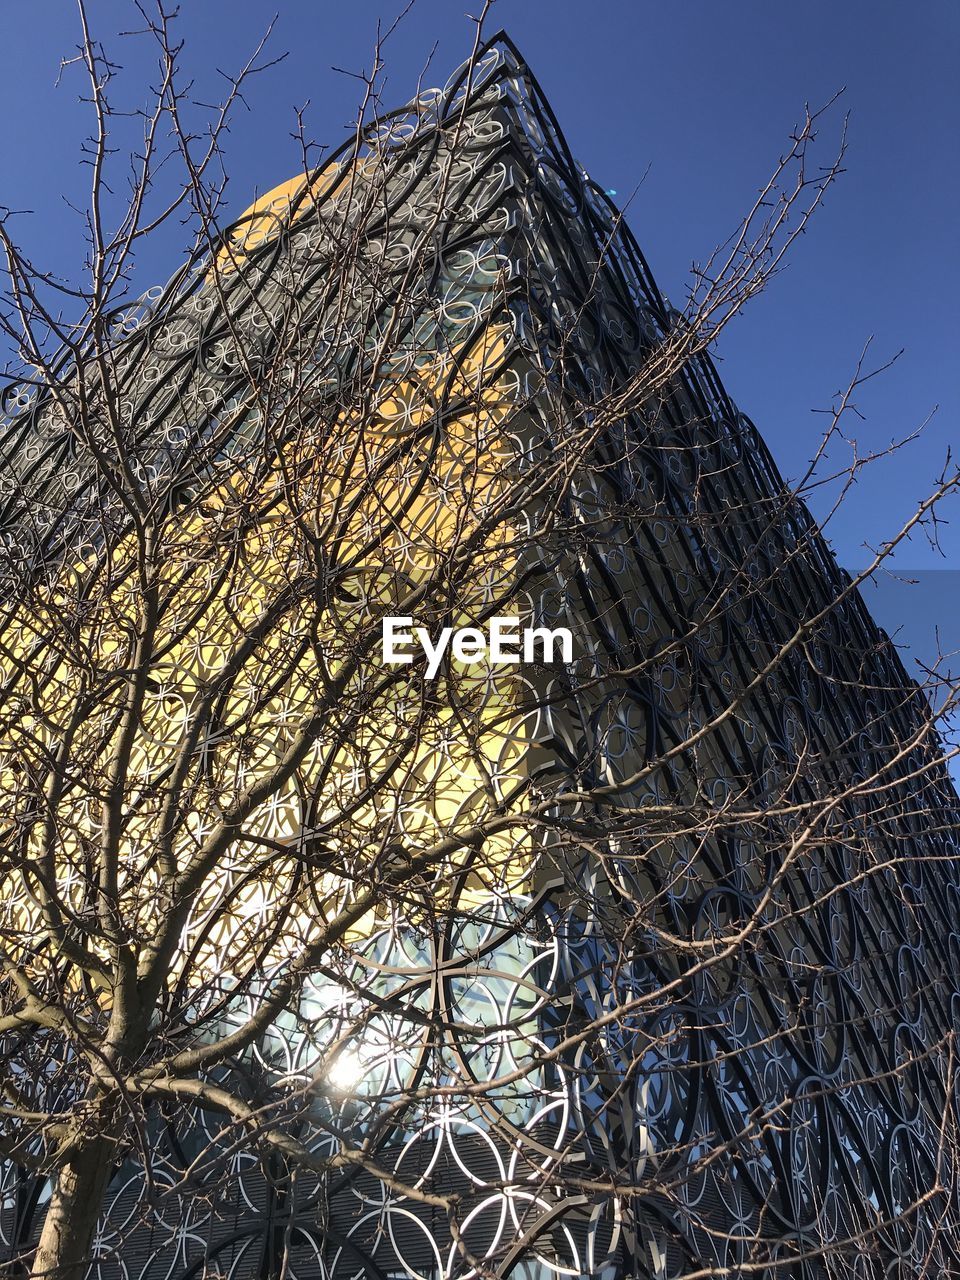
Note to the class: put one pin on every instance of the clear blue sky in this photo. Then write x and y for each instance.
(691, 102)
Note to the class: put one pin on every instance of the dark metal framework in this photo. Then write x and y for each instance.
(817, 1064)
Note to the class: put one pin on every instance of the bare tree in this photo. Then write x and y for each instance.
(637, 960)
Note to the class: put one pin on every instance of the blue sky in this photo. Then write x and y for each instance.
(686, 104)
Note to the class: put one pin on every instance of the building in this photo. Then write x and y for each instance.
(669, 1095)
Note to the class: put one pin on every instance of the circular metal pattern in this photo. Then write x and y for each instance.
(792, 1093)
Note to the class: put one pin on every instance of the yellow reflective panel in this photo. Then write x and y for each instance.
(416, 766)
(266, 217)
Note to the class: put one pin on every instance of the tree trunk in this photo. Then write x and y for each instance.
(71, 1220)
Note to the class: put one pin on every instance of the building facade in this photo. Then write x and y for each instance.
(697, 1009)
